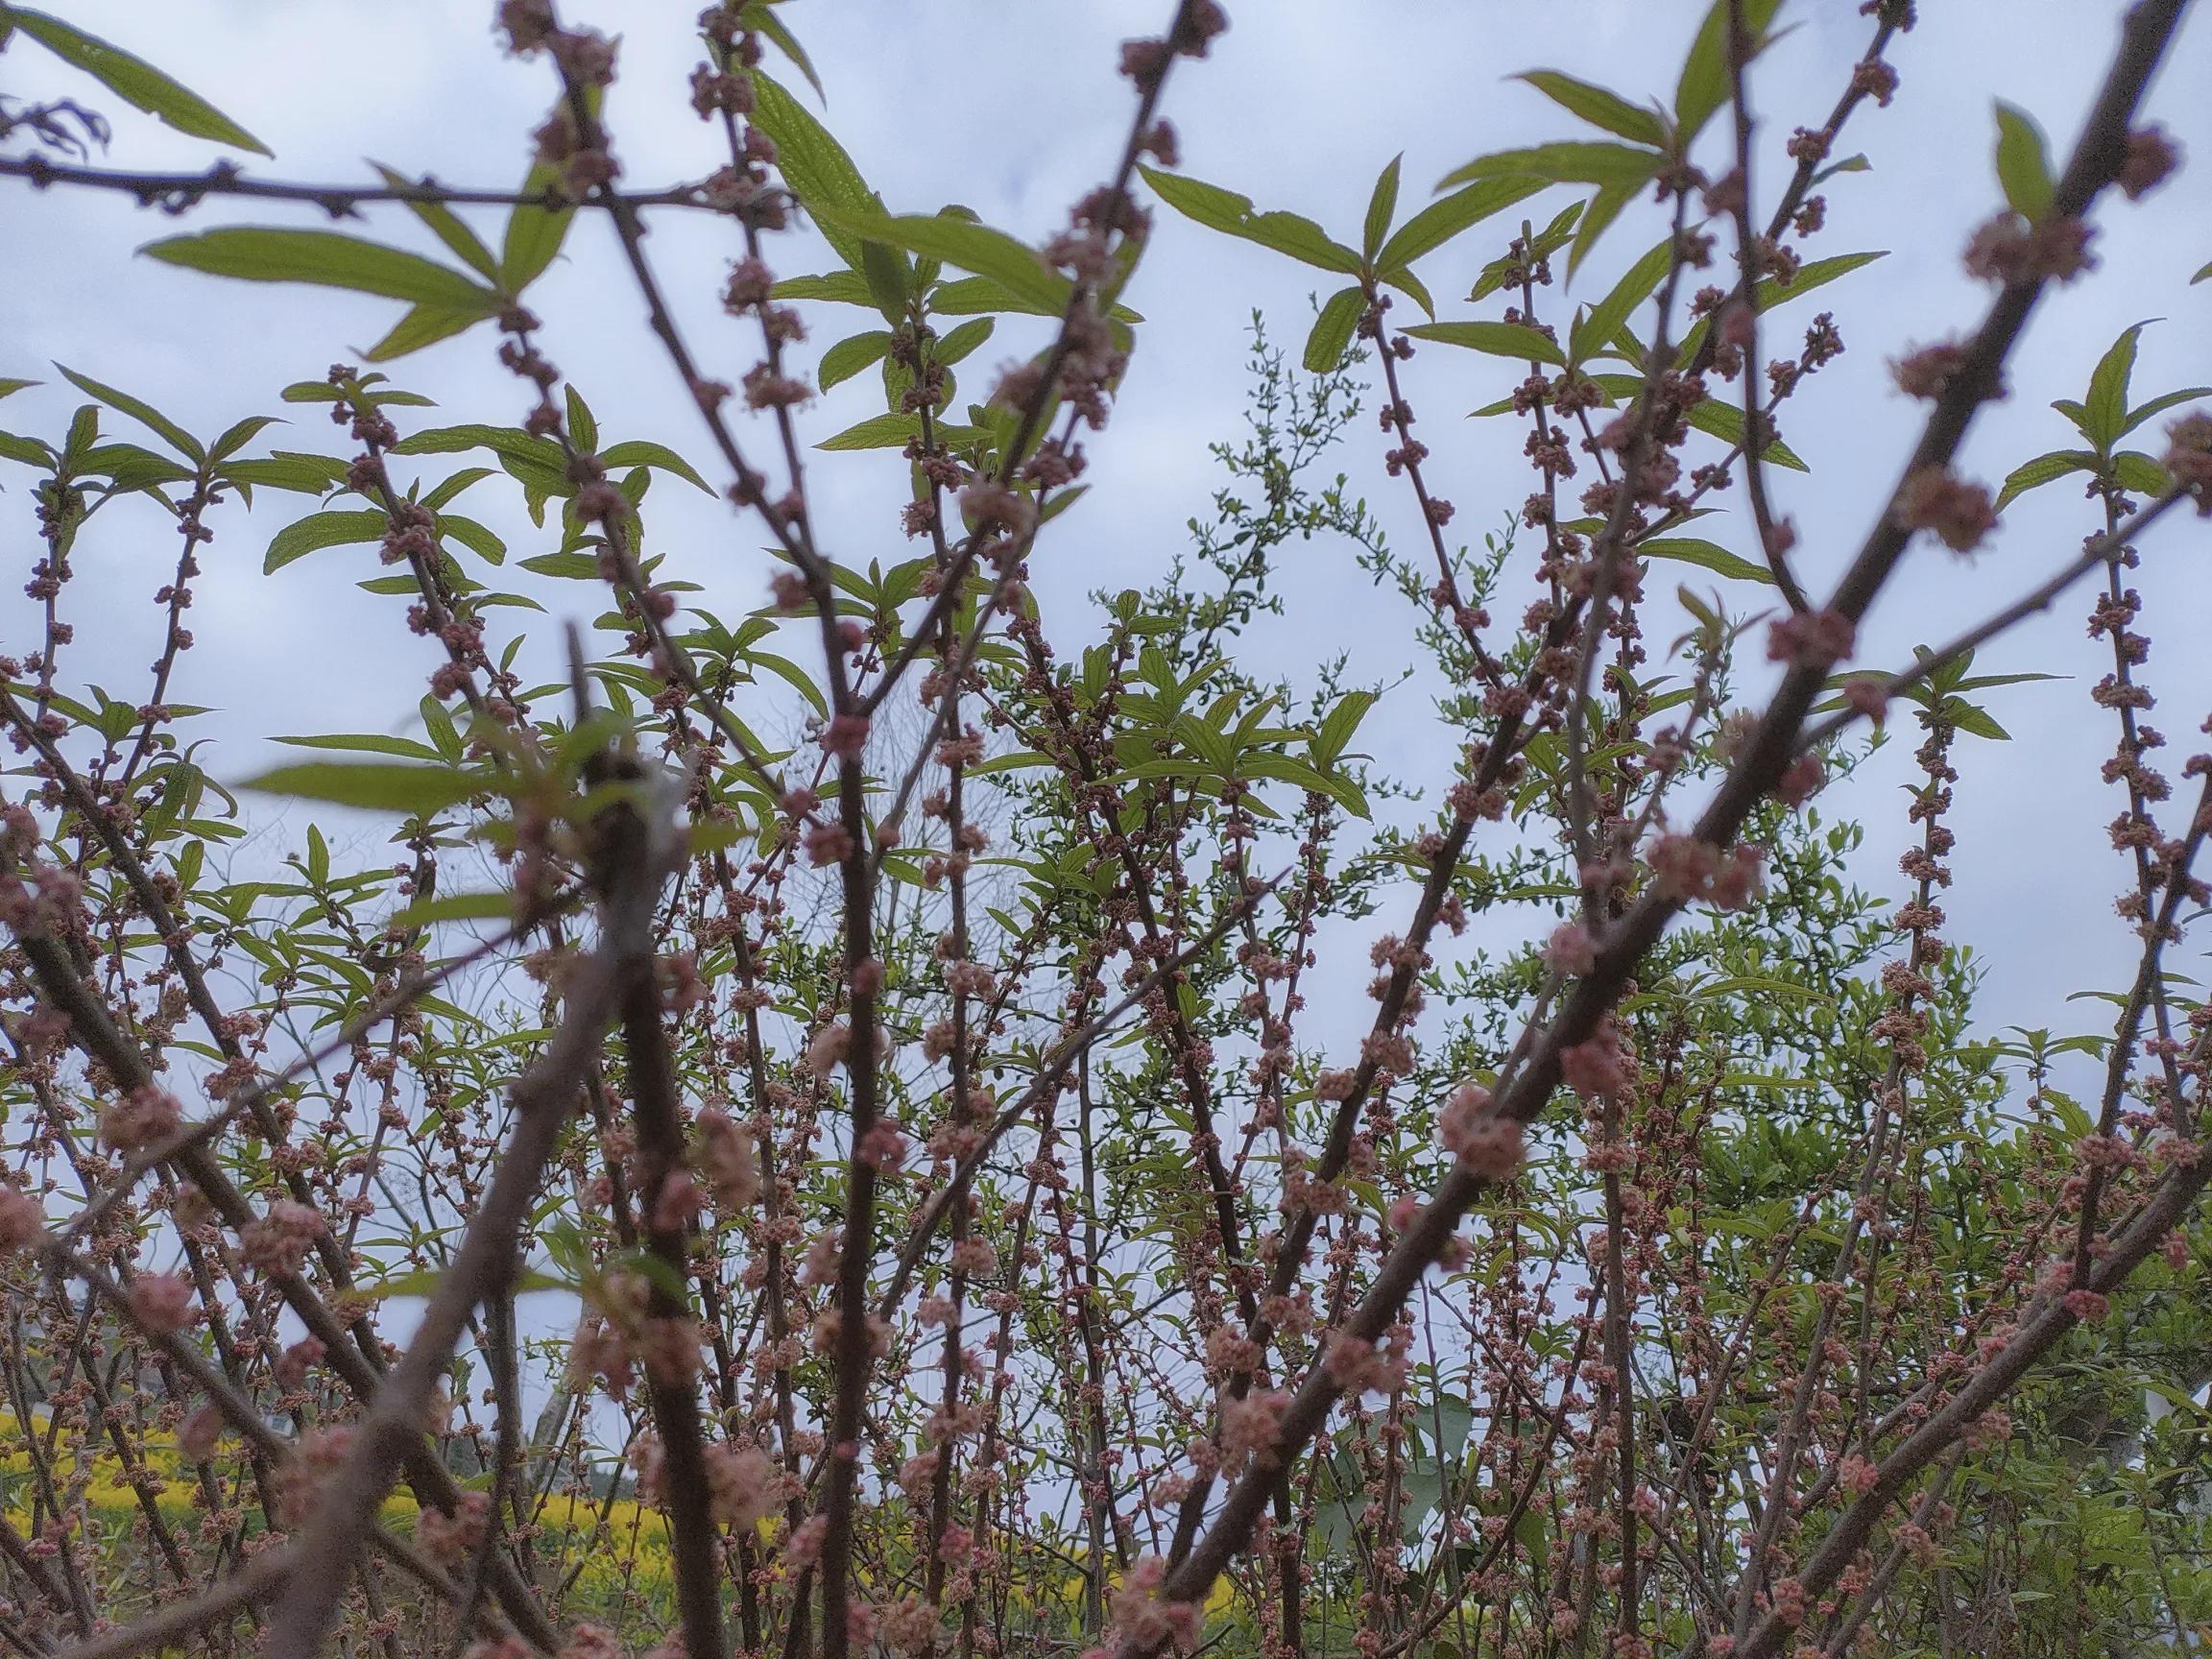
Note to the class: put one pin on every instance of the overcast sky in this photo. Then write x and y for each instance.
(1012, 108)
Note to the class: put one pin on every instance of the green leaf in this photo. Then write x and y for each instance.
(1499, 339)
(1381, 207)
(364, 743)
(2023, 162)
(1604, 207)
(2033, 474)
(478, 538)
(424, 326)
(534, 233)
(2140, 473)
(9, 387)
(1571, 161)
(1725, 422)
(2159, 404)
(1704, 82)
(961, 242)
(1338, 725)
(2105, 407)
(894, 431)
(1706, 555)
(127, 467)
(446, 226)
(813, 164)
(640, 452)
(145, 414)
(1332, 335)
(2202, 274)
(890, 278)
(320, 530)
(1593, 331)
(761, 15)
(839, 287)
(240, 433)
(1600, 107)
(457, 907)
(848, 356)
(1411, 285)
(1444, 219)
(1815, 274)
(132, 80)
(582, 425)
(1234, 215)
(416, 790)
(327, 258)
(31, 451)
(958, 342)
(288, 470)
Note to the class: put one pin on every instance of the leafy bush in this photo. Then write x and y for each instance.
(850, 1123)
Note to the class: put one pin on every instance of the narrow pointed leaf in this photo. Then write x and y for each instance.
(1515, 340)
(2023, 162)
(1571, 161)
(2105, 407)
(2159, 404)
(145, 414)
(2033, 474)
(327, 259)
(133, 80)
(1332, 334)
(1381, 207)
(1704, 82)
(377, 785)
(1226, 211)
(1444, 219)
(1600, 107)
(1594, 330)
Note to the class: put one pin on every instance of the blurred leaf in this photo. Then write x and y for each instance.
(416, 790)
(813, 163)
(762, 15)
(132, 80)
(1704, 82)
(446, 226)
(2023, 162)
(534, 233)
(422, 325)
(327, 259)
